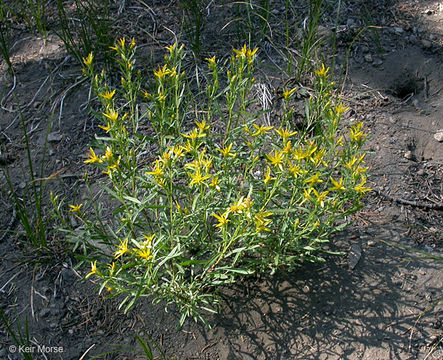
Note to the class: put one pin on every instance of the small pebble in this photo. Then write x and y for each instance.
(398, 30)
(306, 289)
(426, 44)
(439, 135)
(371, 243)
(368, 58)
(420, 172)
(54, 137)
(409, 155)
(378, 62)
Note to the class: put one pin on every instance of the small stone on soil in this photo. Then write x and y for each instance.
(409, 155)
(368, 58)
(439, 135)
(371, 243)
(54, 137)
(426, 44)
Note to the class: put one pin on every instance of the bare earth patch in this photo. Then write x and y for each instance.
(383, 300)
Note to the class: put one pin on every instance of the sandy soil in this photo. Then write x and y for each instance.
(382, 301)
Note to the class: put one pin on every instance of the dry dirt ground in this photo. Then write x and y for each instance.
(381, 301)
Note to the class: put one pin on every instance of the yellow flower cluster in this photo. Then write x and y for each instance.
(242, 206)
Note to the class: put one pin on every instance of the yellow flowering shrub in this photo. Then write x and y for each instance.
(213, 205)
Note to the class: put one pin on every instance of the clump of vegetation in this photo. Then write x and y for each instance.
(212, 206)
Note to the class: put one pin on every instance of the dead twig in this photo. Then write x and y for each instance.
(402, 201)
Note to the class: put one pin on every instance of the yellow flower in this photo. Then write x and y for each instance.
(108, 154)
(106, 128)
(145, 94)
(276, 159)
(88, 60)
(162, 71)
(306, 194)
(245, 52)
(261, 220)
(188, 146)
(211, 61)
(177, 151)
(93, 158)
(321, 197)
(354, 161)
(194, 134)
(268, 177)
(202, 125)
(340, 109)
(287, 149)
(197, 178)
(93, 269)
(241, 52)
(171, 48)
(121, 42)
(250, 53)
(360, 188)
(215, 183)
(222, 219)
(239, 206)
(108, 95)
(295, 170)
(299, 154)
(157, 170)
(314, 179)
(356, 134)
(148, 238)
(337, 185)
(285, 133)
(75, 208)
(318, 158)
(132, 43)
(145, 253)
(288, 93)
(226, 151)
(322, 71)
(261, 129)
(111, 114)
(122, 248)
(111, 268)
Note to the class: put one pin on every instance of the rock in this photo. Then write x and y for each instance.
(421, 172)
(428, 11)
(368, 58)
(67, 275)
(439, 135)
(398, 30)
(354, 256)
(306, 289)
(426, 44)
(54, 137)
(409, 155)
(377, 62)
(275, 12)
(371, 243)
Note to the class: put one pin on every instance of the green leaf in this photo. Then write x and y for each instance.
(132, 199)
